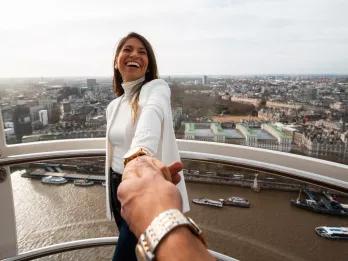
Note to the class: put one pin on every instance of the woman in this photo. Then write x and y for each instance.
(139, 122)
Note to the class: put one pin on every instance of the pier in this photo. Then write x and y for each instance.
(39, 173)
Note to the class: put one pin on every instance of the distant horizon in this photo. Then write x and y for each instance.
(181, 75)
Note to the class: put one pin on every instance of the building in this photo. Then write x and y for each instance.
(43, 117)
(95, 122)
(241, 135)
(310, 94)
(91, 83)
(257, 137)
(233, 136)
(283, 137)
(272, 104)
(9, 130)
(177, 117)
(253, 101)
(204, 132)
(7, 113)
(204, 80)
(21, 122)
(65, 109)
(51, 105)
(319, 142)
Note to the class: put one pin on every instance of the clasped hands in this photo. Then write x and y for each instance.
(147, 189)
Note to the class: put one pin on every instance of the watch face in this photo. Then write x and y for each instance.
(140, 253)
(194, 226)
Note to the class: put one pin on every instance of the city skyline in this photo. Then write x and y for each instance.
(305, 115)
(56, 39)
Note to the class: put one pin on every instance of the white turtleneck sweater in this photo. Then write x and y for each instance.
(122, 130)
(153, 131)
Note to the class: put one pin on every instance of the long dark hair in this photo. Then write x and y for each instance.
(151, 72)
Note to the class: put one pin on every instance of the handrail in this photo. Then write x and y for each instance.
(304, 176)
(81, 244)
(64, 247)
(253, 165)
(53, 155)
(297, 166)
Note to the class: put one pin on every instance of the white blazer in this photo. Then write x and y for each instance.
(157, 95)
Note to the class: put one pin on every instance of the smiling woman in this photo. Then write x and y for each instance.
(139, 122)
(132, 60)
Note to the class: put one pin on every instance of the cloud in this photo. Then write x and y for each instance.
(197, 36)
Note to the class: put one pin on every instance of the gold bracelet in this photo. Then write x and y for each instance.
(138, 153)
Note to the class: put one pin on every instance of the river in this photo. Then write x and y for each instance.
(271, 229)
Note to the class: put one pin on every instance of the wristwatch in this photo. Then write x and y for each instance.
(159, 228)
(132, 154)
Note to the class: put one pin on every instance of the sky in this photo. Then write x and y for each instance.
(47, 38)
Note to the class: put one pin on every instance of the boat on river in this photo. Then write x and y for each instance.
(319, 202)
(208, 202)
(83, 182)
(332, 232)
(236, 202)
(54, 180)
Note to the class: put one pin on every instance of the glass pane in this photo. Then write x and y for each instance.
(54, 108)
(268, 89)
(47, 214)
(272, 228)
(269, 112)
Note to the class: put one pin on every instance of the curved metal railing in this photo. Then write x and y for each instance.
(298, 166)
(335, 183)
(82, 244)
(323, 173)
(64, 247)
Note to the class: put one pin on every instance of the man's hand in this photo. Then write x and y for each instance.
(147, 190)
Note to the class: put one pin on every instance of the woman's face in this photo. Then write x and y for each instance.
(132, 61)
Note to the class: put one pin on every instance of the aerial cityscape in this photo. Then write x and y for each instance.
(302, 114)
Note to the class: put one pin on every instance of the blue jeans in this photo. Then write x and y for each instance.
(125, 249)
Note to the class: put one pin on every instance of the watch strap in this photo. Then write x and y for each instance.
(162, 225)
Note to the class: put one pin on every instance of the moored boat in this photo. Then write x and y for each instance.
(54, 180)
(332, 232)
(238, 176)
(83, 182)
(319, 202)
(208, 202)
(236, 202)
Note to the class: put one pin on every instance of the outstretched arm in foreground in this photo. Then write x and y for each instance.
(146, 191)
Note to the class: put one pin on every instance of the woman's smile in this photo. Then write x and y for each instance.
(132, 61)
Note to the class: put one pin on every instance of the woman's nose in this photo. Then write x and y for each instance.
(133, 53)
